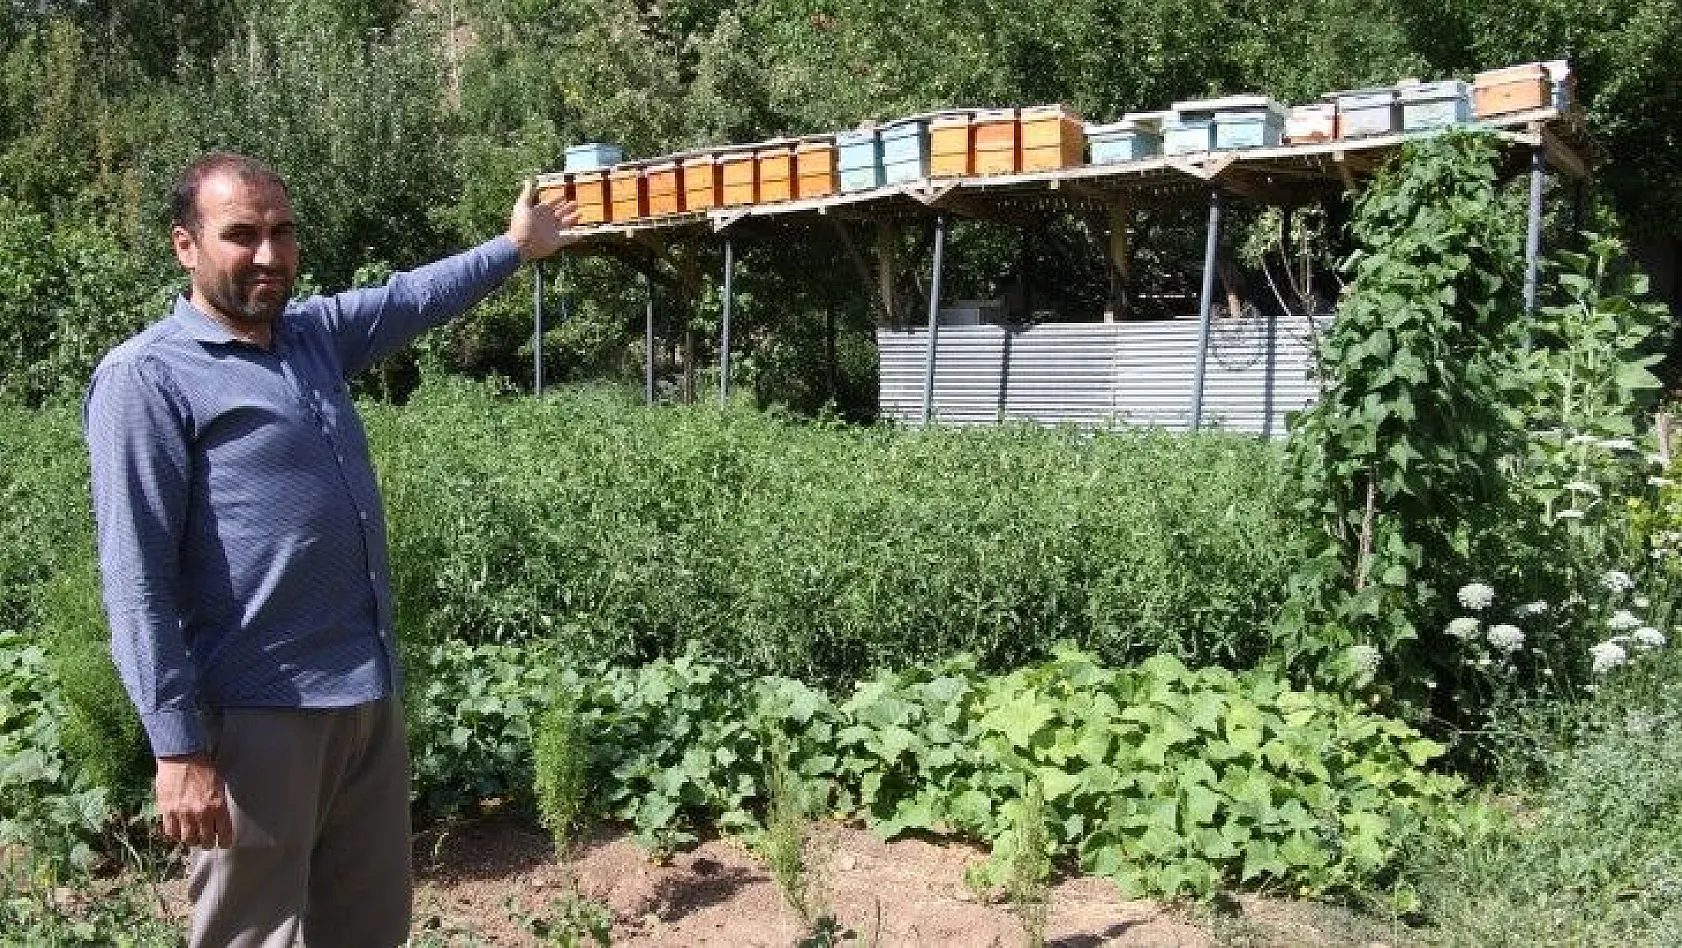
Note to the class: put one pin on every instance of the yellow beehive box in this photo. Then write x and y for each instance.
(1052, 137)
(1513, 89)
(737, 182)
(814, 168)
(701, 184)
(628, 191)
(776, 173)
(665, 188)
(591, 190)
(951, 152)
(996, 134)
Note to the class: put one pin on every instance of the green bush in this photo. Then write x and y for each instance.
(820, 551)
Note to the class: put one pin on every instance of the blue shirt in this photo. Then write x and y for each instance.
(241, 540)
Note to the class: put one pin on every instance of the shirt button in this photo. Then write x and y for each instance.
(363, 514)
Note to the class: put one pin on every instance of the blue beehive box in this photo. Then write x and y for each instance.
(859, 157)
(905, 150)
(1138, 135)
(1184, 135)
(1363, 113)
(592, 156)
(1428, 105)
(1251, 121)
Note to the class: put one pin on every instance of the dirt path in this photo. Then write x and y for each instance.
(496, 883)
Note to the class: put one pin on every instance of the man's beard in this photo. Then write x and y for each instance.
(232, 297)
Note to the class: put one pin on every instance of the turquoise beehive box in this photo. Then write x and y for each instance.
(859, 159)
(1249, 121)
(592, 156)
(1138, 135)
(905, 150)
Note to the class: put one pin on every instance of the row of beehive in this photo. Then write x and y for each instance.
(962, 143)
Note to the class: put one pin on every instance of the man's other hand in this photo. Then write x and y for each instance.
(193, 802)
(539, 227)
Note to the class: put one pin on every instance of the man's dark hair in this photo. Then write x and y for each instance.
(184, 199)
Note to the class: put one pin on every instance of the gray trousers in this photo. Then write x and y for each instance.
(320, 804)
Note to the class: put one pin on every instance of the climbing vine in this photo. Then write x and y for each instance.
(1399, 461)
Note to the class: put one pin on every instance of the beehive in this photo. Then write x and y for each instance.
(1052, 137)
(1428, 105)
(701, 183)
(1249, 121)
(665, 188)
(1138, 135)
(860, 159)
(905, 150)
(996, 137)
(591, 156)
(1509, 90)
(628, 193)
(950, 152)
(1311, 123)
(814, 168)
(738, 184)
(1363, 113)
(776, 173)
(592, 191)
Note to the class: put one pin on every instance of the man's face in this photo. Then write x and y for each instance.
(244, 256)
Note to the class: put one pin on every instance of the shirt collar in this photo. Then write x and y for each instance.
(207, 330)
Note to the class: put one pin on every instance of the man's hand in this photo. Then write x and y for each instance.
(541, 227)
(193, 803)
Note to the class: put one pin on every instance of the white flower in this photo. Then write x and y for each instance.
(1616, 580)
(1607, 656)
(1642, 602)
(1463, 628)
(1648, 637)
(1363, 658)
(1569, 515)
(1531, 609)
(1657, 481)
(1476, 596)
(1507, 638)
(1623, 620)
(1583, 487)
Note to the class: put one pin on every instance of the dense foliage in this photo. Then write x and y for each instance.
(404, 136)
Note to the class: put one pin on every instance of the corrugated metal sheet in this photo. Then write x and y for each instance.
(1102, 373)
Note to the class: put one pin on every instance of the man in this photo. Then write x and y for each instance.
(243, 553)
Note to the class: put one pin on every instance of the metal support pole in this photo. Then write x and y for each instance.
(648, 348)
(537, 328)
(1205, 303)
(934, 315)
(724, 332)
(1533, 237)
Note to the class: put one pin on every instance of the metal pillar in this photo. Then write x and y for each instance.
(1205, 303)
(537, 328)
(724, 332)
(648, 347)
(934, 315)
(1533, 236)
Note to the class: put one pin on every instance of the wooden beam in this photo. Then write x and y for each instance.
(887, 271)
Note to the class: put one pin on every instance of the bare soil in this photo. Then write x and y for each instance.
(496, 882)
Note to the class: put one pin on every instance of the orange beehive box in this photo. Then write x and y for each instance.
(1513, 89)
(1052, 137)
(554, 187)
(665, 188)
(814, 168)
(701, 183)
(1316, 122)
(591, 190)
(996, 134)
(628, 190)
(950, 151)
(776, 173)
(736, 176)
